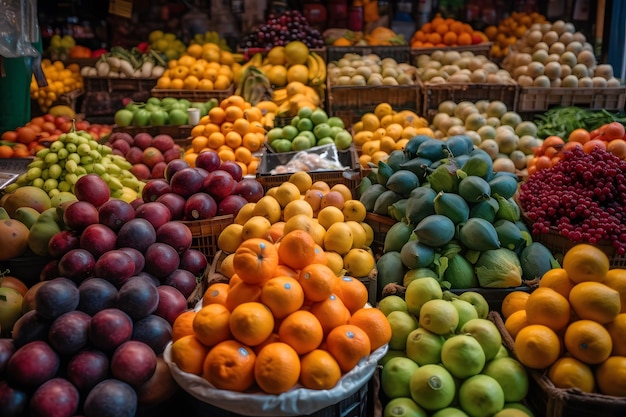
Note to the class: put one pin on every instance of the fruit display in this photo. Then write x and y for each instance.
(576, 319)
(379, 36)
(61, 80)
(166, 43)
(57, 169)
(586, 195)
(460, 67)
(120, 62)
(360, 70)
(98, 323)
(556, 55)
(384, 130)
(509, 30)
(441, 32)
(278, 30)
(309, 128)
(211, 188)
(456, 218)
(445, 354)
(168, 111)
(210, 37)
(234, 130)
(201, 67)
(60, 47)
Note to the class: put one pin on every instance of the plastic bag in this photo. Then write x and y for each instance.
(318, 158)
(19, 29)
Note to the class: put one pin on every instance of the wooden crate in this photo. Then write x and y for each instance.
(434, 94)
(205, 233)
(483, 48)
(539, 99)
(118, 84)
(195, 95)
(380, 225)
(400, 53)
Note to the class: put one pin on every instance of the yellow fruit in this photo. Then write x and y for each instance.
(338, 238)
(298, 73)
(358, 263)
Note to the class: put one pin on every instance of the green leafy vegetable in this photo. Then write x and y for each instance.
(561, 121)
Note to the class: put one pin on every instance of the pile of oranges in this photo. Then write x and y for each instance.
(574, 324)
(203, 67)
(509, 30)
(61, 80)
(441, 32)
(234, 130)
(610, 137)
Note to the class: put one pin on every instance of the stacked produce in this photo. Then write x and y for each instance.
(447, 358)
(441, 32)
(460, 67)
(210, 37)
(572, 325)
(457, 219)
(360, 70)
(90, 336)
(61, 80)
(555, 55)
(160, 112)
(64, 47)
(167, 44)
(509, 30)
(279, 30)
(123, 63)
(379, 36)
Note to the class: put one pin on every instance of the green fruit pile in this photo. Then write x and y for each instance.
(57, 168)
(160, 112)
(307, 129)
(447, 357)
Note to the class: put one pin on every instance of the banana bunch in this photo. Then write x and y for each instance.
(211, 37)
(317, 69)
(254, 86)
(293, 97)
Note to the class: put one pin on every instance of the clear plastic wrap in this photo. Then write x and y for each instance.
(318, 158)
(19, 28)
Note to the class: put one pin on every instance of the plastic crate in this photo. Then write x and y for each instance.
(205, 232)
(194, 95)
(434, 94)
(118, 84)
(539, 99)
(399, 53)
(483, 48)
(550, 401)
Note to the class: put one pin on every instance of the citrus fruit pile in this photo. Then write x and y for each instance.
(509, 30)
(442, 31)
(61, 80)
(574, 324)
(445, 354)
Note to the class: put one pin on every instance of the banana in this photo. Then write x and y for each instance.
(320, 77)
(268, 120)
(313, 66)
(284, 110)
(279, 96)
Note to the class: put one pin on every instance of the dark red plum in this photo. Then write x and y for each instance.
(92, 188)
(154, 331)
(231, 204)
(133, 362)
(156, 213)
(176, 234)
(186, 182)
(194, 261)
(115, 266)
(155, 188)
(233, 168)
(200, 206)
(161, 260)
(160, 387)
(114, 213)
(174, 166)
(80, 214)
(62, 242)
(96, 294)
(87, 368)
(56, 297)
(13, 402)
(29, 328)
(7, 348)
(137, 202)
(163, 142)
(110, 328)
(141, 171)
(250, 189)
(77, 265)
(137, 257)
(208, 160)
(138, 297)
(98, 239)
(123, 136)
(150, 278)
(219, 184)
(142, 140)
(137, 233)
(171, 303)
(203, 172)
(50, 270)
(57, 397)
(31, 365)
(121, 145)
(175, 203)
(68, 334)
(183, 280)
(111, 398)
(175, 152)
(158, 170)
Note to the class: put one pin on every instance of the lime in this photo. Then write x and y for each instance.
(274, 134)
(281, 145)
(305, 112)
(300, 143)
(478, 301)
(438, 316)
(463, 356)
(421, 290)
(432, 387)
(481, 395)
(336, 121)
(424, 347)
(466, 311)
(402, 323)
(325, 141)
(390, 355)
(322, 130)
(392, 303)
(305, 124)
(308, 134)
(403, 407)
(511, 375)
(486, 333)
(319, 116)
(290, 132)
(396, 375)
(450, 412)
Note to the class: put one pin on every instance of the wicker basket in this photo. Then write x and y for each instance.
(195, 95)
(540, 99)
(551, 401)
(205, 233)
(434, 94)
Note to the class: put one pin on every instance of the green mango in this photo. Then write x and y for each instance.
(26, 215)
(46, 226)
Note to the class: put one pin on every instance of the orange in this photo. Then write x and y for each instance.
(579, 135)
(302, 331)
(183, 325)
(595, 301)
(320, 255)
(585, 262)
(352, 292)
(617, 147)
(348, 344)
(548, 307)
(255, 260)
(282, 295)
(233, 113)
(614, 130)
(569, 372)
(6, 151)
(243, 154)
(331, 312)
(188, 354)
(512, 302)
(617, 330)
(588, 341)
(233, 139)
(616, 279)
(277, 368)
(319, 370)
(318, 281)
(216, 293)
(558, 280)
(241, 292)
(229, 365)
(449, 38)
(537, 346)
(373, 322)
(252, 141)
(516, 322)
(296, 249)
(251, 323)
(217, 115)
(210, 324)
(611, 376)
(594, 144)
(464, 39)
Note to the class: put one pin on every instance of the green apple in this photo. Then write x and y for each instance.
(294, 121)
(336, 121)
(334, 130)
(305, 112)
(308, 134)
(142, 118)
(281, 145)
(319, 116)
(300, 143)
(274, 134)
(322, 130)
(178, 117)
(159, 118)
(155, 101)
(123, 117)
(343, 140)
(325, 141)
(290, 132)
(305, 124)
